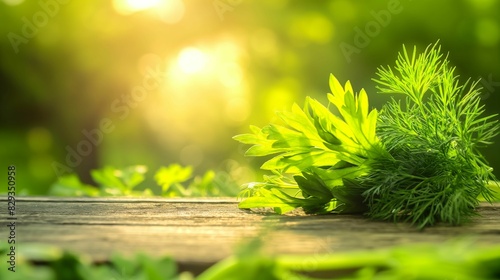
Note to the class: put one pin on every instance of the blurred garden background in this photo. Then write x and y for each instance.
(88, 84)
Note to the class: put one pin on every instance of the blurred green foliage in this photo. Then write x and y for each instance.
(452, 260)
(90, 84)
(54, 263)
(119, 182)
(171, 181)
(210, 184)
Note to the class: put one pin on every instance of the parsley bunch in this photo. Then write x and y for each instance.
(416, 160)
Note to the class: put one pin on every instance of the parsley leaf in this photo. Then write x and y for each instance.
(416, 161)
(319, 150)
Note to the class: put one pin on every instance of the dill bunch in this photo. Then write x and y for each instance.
(417, 160)
(435, 171)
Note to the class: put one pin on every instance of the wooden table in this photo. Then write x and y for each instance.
(199, 232)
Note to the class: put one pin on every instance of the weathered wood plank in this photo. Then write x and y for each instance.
(203, 231)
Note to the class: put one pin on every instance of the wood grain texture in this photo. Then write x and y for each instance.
(199, 232)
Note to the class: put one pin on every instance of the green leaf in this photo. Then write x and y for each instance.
(314, 139)
(119, 181)
(273, 198)
(108, 177)
(283, 203)
(311, 185)
(416, 161)
(294, 162)
(169, 177)
(70, 185)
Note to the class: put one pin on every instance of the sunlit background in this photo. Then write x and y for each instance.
(85, 84)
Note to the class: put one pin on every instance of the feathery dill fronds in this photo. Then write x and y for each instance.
(437, 171)
(417, 160)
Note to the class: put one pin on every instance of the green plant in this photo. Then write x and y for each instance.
(54, 263)
(210, 184)
(417, 160)
(114, 181)
(70, 185)
(457, 259)
(111, 182)
(175, 181)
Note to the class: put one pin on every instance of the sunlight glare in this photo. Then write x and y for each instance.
(192, 60)
(126, 7)
(171, 11)
(13, 2)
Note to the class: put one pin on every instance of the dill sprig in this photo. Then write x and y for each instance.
(435, 171)
(417, 160)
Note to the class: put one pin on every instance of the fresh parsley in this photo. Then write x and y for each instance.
(416, 160)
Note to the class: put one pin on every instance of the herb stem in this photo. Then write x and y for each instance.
(493, 185)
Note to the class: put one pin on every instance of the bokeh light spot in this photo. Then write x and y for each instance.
(487, 32)
(13, 2)
(171, 11)
(343, 10)
(482, 4)
(191, 60)
(313, 27)
(39, 139)
(126, 7)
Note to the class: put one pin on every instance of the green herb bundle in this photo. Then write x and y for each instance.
(416, 160)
